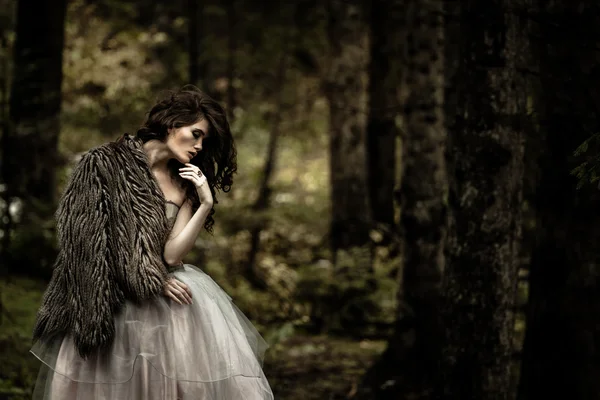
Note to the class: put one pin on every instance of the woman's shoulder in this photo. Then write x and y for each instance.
(104, 156)
(108, 149)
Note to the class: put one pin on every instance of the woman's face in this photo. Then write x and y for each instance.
(185, 142)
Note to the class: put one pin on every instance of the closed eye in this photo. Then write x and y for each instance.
(197, 133)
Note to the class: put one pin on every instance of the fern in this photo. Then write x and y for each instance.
(589, 169)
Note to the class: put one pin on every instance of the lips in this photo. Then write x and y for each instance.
(192, 154)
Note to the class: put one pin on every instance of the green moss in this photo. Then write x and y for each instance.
(20, 298)
(319, 367)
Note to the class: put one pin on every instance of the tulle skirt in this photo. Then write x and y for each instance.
(163, 350)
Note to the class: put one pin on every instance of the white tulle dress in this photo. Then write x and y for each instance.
(163, 350)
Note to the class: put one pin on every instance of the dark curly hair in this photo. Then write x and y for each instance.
(218, 158)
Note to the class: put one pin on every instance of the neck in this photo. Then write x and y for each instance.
(158, 154)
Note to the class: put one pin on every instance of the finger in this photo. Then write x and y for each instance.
(192, 168)
(166, 286)
(188, 175)
(179, 284)
(174, 298)
(177, 291)
(182, 295)
(191, 171)
(181, 298)
(197, 180)
(186, 290)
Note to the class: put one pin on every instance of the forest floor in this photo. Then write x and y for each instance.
(301, 367)
(319, 367)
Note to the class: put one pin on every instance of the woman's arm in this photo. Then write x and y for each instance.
(185, 231)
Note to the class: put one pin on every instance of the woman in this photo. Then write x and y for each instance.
(123, 317)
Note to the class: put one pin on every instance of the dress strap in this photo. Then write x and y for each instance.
(175, 204)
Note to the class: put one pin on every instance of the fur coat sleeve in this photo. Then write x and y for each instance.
(111, 229)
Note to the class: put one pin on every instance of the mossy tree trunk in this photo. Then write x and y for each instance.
(30, 148)
(560, 354)
(423, 196)
(485, 107)
(346, 90)
(197, 68)
(415, 43)
(382, 131)
(346, 86)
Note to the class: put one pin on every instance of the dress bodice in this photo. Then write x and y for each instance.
(171, 210)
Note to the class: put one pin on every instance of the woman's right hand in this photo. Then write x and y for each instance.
(177, 291)
(192, 173)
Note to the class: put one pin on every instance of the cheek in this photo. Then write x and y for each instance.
(188, 140)
(181, 140)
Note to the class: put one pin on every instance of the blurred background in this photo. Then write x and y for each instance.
(414, 214)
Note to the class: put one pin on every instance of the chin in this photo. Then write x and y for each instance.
(185, 159)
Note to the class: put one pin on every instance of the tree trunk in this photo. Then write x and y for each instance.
(197, 64)
(423, 195)
(351, 279)
(560, 354)
(485, 162)
(384, 78)
(231, 50)
(7, 8)
(346, 90)
(30, 151)
(35, 99)
(409, 364)
(263, 199)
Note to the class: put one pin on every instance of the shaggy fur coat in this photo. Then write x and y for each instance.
(111, 230)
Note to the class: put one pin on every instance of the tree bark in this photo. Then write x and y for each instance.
(346, 90)
(560, 354)
(346, 86)
(31, 154)
(485, 161)
(7, 8)
(30, 146)
(409, 364)
(197, 64)
(384, 79)
(263, 199)
(423, 194)
(231, 63)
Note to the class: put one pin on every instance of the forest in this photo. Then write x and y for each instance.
(413, 214)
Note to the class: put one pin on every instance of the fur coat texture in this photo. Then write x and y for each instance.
(111, 229)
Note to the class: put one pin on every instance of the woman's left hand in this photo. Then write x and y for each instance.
(177, 291)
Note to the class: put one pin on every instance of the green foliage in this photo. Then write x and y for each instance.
(35, 231)
(112, 71)
(350, 297)
(589, 170)
(20, 298)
